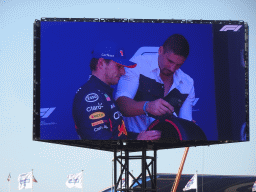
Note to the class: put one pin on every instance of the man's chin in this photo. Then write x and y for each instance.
(116, 81)
(167, 74)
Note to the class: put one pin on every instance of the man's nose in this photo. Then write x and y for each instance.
(173, 67)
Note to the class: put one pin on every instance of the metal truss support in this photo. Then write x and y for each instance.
(139, 183)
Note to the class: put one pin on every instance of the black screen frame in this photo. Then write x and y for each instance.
(131, 145)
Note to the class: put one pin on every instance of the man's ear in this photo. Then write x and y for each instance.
(161, 50)
(101, 63)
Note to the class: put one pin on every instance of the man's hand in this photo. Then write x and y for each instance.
(159, 107)
(149, 135)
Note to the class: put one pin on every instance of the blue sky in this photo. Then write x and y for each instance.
(51, 162)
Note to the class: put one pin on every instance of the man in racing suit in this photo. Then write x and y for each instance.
(95, 112)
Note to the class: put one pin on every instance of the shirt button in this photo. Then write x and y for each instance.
(148, 90)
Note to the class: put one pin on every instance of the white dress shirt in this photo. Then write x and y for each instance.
(147, 65)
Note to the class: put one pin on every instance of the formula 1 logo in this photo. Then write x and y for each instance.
(231, 27)
(46, 112)
(91, 97)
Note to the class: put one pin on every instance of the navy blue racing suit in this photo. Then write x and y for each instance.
(96, 114)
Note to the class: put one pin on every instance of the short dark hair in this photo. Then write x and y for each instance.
(94, 62)
(177, 44)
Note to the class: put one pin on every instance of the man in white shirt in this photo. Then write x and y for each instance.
(141, 92)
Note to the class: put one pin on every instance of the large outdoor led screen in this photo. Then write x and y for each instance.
(200, 74)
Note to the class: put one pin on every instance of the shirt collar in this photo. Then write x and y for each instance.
(100, 84)
(155, 69)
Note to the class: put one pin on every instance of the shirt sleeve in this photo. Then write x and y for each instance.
(128, 84)
(186, 108)
(92, 118)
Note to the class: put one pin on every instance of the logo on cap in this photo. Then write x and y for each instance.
(122, 53)
(107, 55)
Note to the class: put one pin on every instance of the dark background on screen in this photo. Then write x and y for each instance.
(66, 52)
